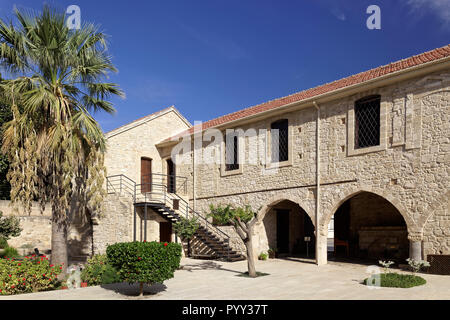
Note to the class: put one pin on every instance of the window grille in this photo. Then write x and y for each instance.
(367, 122)
(232, 154)
(279, 140)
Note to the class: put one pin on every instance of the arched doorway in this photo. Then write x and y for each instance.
(368, 227)
(289, 230)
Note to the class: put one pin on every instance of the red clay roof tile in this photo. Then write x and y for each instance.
(403, 64)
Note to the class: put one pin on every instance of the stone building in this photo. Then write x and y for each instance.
(371, 150)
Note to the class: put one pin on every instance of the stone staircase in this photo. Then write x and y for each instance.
(172, 207)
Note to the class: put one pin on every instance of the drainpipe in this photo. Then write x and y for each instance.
(193, 178)
(320, 258)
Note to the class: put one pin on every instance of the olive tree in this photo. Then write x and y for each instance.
(243, 220)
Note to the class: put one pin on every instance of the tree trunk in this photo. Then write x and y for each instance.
(250, 255)
(141, 289)
(189, 248)
(59, 244)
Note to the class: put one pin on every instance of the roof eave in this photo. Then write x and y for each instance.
(386, 79)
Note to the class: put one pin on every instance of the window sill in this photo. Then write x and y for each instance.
(355, 152)
(224, 173)
(273, 165)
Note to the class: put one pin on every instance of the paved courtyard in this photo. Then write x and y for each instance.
(287, 279)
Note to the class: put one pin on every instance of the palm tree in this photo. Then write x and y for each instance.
(54, 145)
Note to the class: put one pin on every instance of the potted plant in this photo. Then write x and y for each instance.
(271, 253)
(262, 256)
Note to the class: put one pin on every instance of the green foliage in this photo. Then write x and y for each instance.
(145, 262)
(10, 252)
(228, 214)
(29, 275)
(395, 280)
(99, 271)
(417, 265)
(3, 243)
(263, 256)
(60, 80)
(9, 226)
(5, 116)
(186, 228)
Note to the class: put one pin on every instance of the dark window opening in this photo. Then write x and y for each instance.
(367, 122)
(232, 154)
(280, 146)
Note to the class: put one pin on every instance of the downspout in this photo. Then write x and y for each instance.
(193, 178)
(318, 240)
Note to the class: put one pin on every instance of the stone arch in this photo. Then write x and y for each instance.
(349, 192)
(280, 198)
(265, 233)
(441, 201)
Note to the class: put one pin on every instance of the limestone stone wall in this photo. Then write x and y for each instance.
(437, 228)
(36, 228)
(410, 168)
(115, 224)
(127, 144)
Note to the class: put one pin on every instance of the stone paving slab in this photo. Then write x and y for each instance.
(287, 279)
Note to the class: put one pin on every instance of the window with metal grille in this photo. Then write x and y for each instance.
(232, 153)
(367, 122)
(280, 140)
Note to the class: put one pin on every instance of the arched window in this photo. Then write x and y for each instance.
(279, 137)
(367, 122)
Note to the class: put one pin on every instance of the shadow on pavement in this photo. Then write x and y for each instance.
(207, 265)
(132, 290)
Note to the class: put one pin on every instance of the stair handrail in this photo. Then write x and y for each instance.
(128, 185)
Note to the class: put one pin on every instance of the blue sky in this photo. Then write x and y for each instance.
(210, 58)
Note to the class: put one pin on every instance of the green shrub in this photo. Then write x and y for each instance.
(144, 262)
(263, 256)
(3, 243)
(98, 271)
(32, 274)
(10, 252)
(186, 228)
(9, 226)
(395, 280)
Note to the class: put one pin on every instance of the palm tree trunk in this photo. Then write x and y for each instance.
(59, 244)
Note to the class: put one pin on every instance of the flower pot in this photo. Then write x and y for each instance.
(83, 285)
(64, 288)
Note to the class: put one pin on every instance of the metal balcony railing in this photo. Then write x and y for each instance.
(155, 190)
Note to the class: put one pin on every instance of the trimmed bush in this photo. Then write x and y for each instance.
(99, 271)
(396, 280)
(144, 262)
(32, 274)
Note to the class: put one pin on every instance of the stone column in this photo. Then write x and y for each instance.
(415, 246)
(321, 248)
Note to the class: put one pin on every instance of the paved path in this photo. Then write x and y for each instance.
(288, 279)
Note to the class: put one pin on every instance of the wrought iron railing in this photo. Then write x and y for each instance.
(156, 191)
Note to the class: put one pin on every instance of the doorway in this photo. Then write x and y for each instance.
(282, 231)
(165, 231)
(146, 175)
(171, 179)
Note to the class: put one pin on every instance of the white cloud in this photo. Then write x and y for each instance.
(441, 8)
